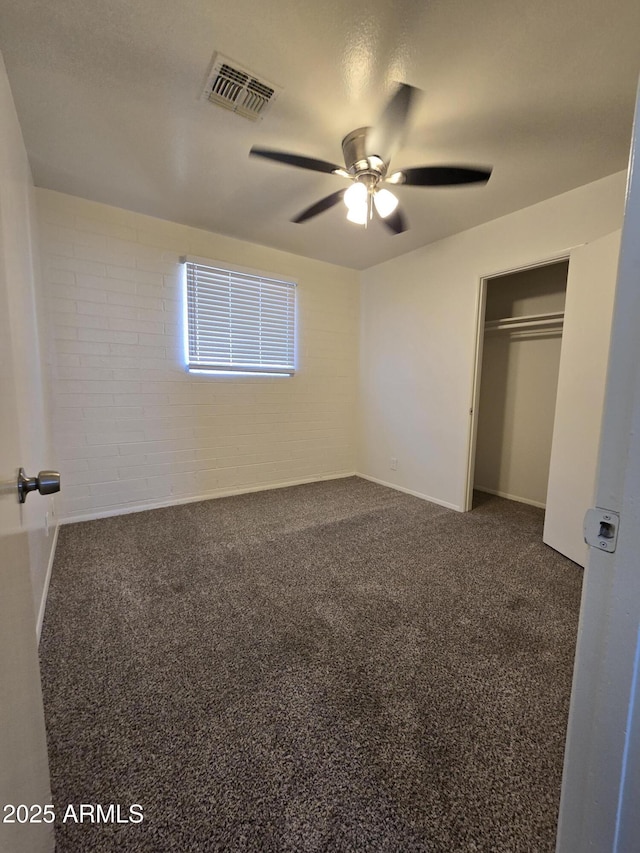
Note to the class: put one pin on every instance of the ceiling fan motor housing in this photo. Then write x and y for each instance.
(358, 163)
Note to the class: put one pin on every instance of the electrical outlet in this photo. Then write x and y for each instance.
(394, 463)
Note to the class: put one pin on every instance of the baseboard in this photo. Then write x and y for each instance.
(223, 493)
(47, 579)
(410, 492)
(509, 497)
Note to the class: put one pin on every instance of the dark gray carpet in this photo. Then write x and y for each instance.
(331, 667)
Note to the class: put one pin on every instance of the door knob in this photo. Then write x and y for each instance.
(47, 483)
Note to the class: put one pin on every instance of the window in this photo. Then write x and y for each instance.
(238, 320)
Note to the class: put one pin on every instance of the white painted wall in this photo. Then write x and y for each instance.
(19, 267)
(133, 429)
(586, 339)
(515, 426)
(518, 387)
(418, 335)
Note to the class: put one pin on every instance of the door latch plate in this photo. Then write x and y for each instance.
(601, 528)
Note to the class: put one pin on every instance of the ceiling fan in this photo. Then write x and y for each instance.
(367, 155)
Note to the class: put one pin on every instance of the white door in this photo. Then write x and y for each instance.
(581, 389)
(24, 773)
(600, 804)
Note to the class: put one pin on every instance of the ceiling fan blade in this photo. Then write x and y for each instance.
(296, 160)
(439, 176)
(320, 206)
(384, 139)
(395, 222)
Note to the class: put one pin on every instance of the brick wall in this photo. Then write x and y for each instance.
(132, 429)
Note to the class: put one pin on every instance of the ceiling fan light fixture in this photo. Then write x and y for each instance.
(358, 213)
(356, 196)
(385, 202)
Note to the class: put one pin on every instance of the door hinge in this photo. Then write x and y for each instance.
(601, 528)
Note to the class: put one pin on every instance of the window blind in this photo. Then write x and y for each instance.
(238, 320)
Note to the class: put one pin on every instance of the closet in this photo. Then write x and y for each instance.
(518, 382)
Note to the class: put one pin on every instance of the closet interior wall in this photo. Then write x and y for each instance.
(519, 378)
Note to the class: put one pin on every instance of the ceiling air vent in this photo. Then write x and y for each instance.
(237, 89)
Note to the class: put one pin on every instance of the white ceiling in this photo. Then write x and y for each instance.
(109, 99)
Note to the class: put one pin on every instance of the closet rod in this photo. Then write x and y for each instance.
(531, 321)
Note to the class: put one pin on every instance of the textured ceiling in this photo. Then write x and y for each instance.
(108, 96)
